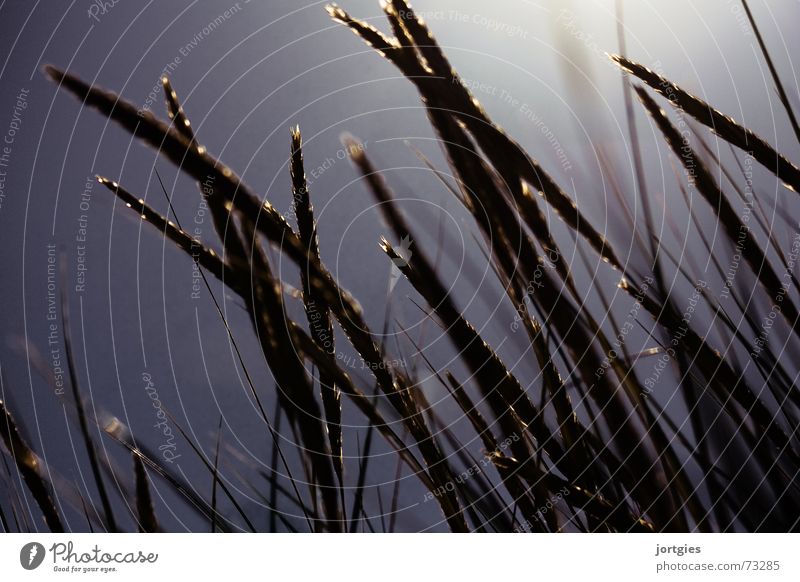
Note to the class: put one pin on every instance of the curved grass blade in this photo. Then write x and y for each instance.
(722, 125)
(82, 423)
(317, 313)
(773, 71)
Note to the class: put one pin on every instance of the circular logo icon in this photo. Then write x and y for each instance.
(31, 555)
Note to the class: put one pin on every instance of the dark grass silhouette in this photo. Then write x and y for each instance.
(581, 446)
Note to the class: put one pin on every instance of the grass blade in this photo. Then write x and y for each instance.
(722, 125)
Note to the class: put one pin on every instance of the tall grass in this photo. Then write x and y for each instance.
(586, 444)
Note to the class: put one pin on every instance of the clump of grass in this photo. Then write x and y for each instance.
(722, 125)
(574, 449)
